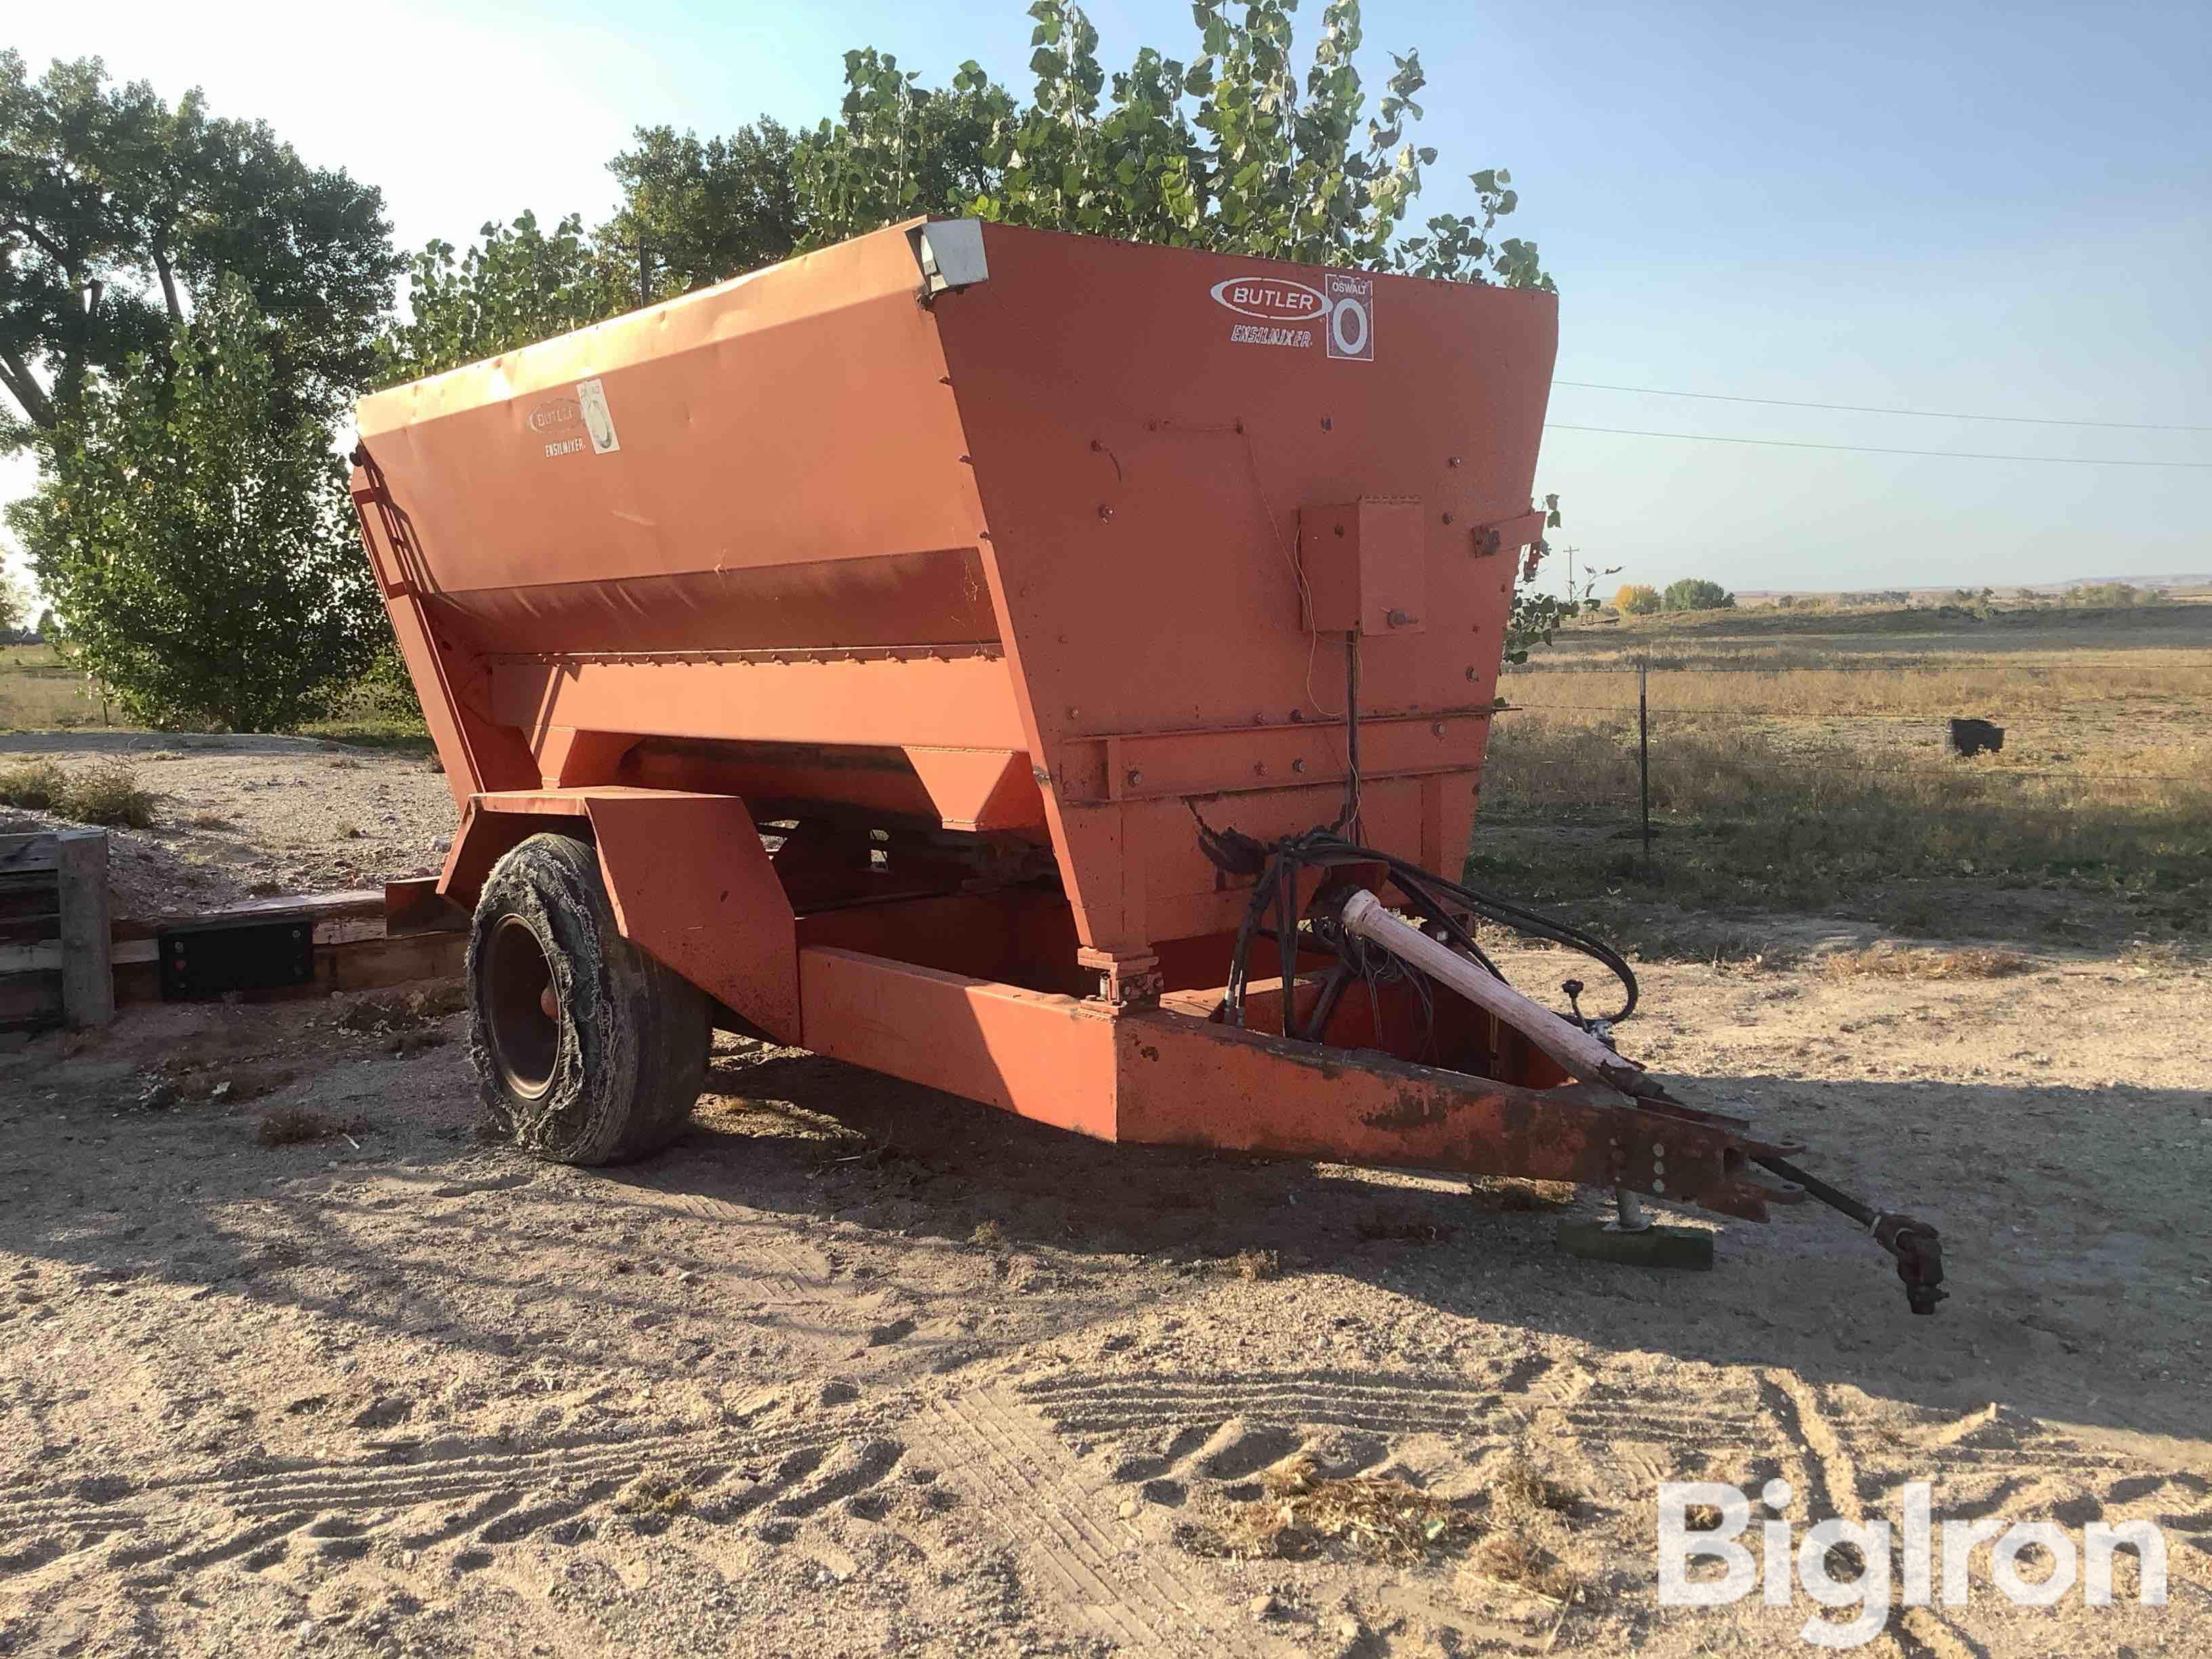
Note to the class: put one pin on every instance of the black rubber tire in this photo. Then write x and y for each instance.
(613, 1073)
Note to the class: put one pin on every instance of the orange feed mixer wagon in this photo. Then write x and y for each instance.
(1007, 660)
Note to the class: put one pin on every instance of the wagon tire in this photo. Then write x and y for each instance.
(587, 1050)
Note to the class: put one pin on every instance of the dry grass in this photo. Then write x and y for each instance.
(104, 792)
(108, 794)
(40, 692)
(1304, 1513)
(1384, 1225)
(1890, 961)
(36, 785)
(1253, 1265)
(656, 1494)
(1812, 817)
(2157, 959)
(1797, 763)
(1301, 1514)
(1522, 1489)
(988, 1233)
(400, 1012)
(1861, 683)
(1509, 1559)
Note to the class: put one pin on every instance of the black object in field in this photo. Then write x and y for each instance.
(1976, 737)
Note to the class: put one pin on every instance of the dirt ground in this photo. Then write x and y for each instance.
(238, 818)
(857, 1369)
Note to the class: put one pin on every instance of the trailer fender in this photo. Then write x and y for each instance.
(689, 879)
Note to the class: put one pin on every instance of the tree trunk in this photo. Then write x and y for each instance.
(23, 386)
(168, 287)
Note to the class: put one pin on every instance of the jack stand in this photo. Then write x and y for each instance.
(1634, 1240)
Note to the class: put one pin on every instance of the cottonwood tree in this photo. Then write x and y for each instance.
(1230, 148)
(517, 285)
(695, 211)
(117, 210)
(899, 149)
(193, 527)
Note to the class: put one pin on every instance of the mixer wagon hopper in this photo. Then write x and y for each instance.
(1014, 662)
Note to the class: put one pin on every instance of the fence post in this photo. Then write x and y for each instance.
(1643, 749)
(81, 889)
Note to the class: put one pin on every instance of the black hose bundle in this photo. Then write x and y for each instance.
(1431, 896)
(1432, 899)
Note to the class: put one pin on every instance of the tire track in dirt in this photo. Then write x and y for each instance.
(1829, 1485)
(791, 1278)
(1646, 1441)
(1378, 1402)
(490, 1497)
(1111, 1584)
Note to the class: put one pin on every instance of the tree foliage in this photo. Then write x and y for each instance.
(1535, 619)
(1635, 599)
(117, 210)
(2111, 595)
(518, 285)
(695, 211)
(194, 530)
(1229, 148)
(897, 149)
(1696, 593)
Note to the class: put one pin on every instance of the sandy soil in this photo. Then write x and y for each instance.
(856, 1369)
(252, 816)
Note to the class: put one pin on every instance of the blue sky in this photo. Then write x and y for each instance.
(2003, 210)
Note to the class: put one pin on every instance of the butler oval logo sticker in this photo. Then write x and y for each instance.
(554, 411)
(1275, 299)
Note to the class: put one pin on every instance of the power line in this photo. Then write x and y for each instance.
(1870, 409)
(1872, 449)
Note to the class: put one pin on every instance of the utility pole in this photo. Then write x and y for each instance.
(1571, 574)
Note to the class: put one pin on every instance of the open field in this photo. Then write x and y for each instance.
(39, 692)
(1796, 766)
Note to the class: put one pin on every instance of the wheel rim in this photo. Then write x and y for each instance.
(521, 1010)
